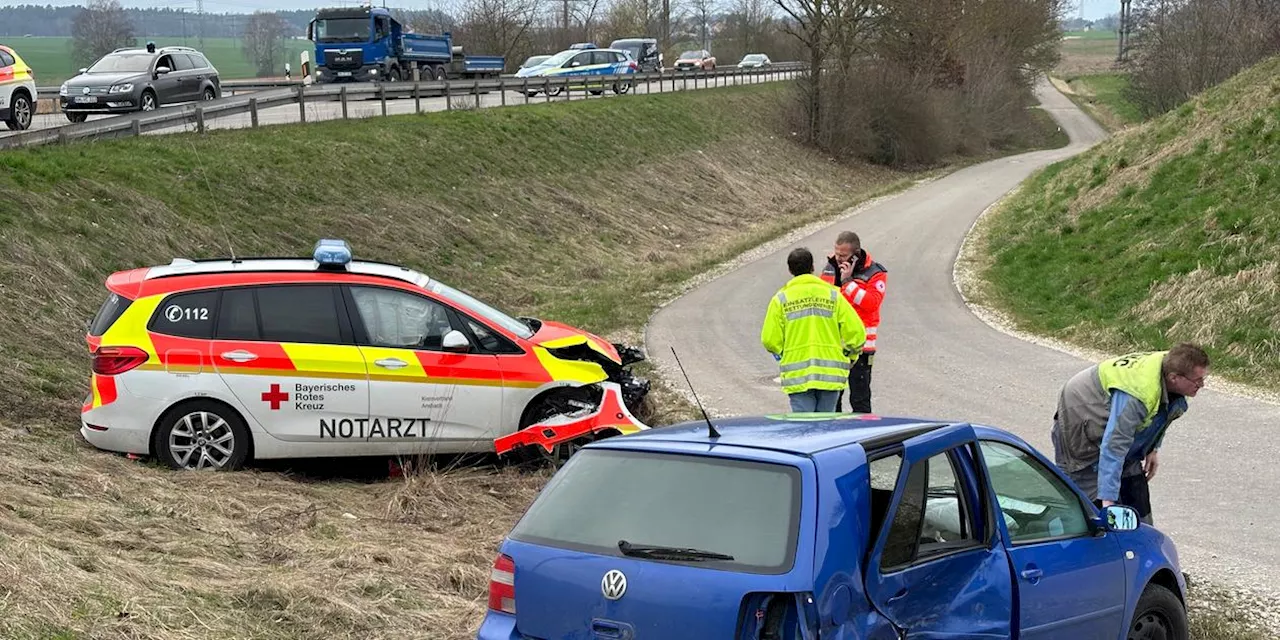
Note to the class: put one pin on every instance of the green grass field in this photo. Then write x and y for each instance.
(1168, 233)
(51, 57)
(1103, 96)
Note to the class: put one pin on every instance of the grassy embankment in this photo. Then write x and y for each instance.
(1087, 74)
(588, 212)
(52, 57)
(1168, 232)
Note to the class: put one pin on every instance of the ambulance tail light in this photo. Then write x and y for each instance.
(502, 585)
(113, 361)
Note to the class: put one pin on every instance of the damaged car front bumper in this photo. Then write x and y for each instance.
(610, 417)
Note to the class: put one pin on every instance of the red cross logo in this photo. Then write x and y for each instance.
(275, 397)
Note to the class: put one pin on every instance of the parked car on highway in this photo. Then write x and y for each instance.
(699, 59)
(129, 80)
(17, 90)
(590, 62)
(643, 50)
(828, 525)
(533, 61)
(755, 61)
(209, 363)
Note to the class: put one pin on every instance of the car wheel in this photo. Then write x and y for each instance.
(1159, 615)
(77, 117)
(20, 112)
(149, 102)
(208, 94)
(202, 435)
(576, 401)
(395, 74)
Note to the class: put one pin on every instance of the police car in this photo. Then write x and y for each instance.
(207, 364)
(583, 62)
(17, 90)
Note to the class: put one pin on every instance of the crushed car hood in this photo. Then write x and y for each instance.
(554, 335)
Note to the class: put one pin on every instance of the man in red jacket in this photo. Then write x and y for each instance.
(862, 281)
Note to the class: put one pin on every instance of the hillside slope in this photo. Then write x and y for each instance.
(1170, 231)
(588, 212)
(582, 212)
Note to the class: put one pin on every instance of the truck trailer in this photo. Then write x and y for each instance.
(367, 44)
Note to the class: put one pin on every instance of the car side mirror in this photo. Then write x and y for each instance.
(455, 342)
(1121, 518)
(82, 70)
(162, 70)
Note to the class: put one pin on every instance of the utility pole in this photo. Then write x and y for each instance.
(564, 24)
(200, 23)
(1126, 18)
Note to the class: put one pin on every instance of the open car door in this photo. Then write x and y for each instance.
(938, 568)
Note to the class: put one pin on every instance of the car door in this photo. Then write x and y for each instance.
(938, 569)
(1070, 581)
(440, 399)
(168, 86)
(288, 355)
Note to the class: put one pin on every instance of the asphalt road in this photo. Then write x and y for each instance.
(1214, 490)
(332, 109)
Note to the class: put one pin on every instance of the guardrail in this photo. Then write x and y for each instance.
(200, 113)
(247, 86)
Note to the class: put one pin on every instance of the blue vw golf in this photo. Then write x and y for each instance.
(827, 526)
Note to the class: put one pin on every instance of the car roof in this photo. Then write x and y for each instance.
(176, 275)
(801, 434)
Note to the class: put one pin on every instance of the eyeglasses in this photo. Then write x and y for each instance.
(1198, 382)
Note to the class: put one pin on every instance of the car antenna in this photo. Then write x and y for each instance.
(710, 427)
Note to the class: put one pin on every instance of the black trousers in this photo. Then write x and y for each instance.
(1136, 493)
(859, 386)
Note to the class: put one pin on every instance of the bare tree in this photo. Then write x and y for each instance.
(1182, 47)
(100, 28)
(263, 41)
(498, 27)
(808, 24)
(702, 13)
(428, 20)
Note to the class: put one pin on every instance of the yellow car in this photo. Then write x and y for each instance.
(17, 90)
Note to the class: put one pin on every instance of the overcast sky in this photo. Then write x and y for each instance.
(1093, 9)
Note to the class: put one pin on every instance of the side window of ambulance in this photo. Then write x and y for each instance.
(238, 316)
(299, 313)
(186, 315)
(6, 60)
(399, 319)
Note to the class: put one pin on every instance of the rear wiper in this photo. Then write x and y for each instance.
(669, 553)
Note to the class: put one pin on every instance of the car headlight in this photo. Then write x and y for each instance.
(62, 91)
(122, 88)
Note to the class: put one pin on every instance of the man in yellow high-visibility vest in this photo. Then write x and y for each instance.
(814, 334)
(1112, 418)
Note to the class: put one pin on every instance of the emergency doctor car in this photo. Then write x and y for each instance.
(207, 364)
(17, 90)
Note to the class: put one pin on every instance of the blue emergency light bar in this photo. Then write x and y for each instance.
(331, 252)
(583, 45)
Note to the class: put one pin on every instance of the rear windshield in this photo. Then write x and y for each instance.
(748, 510)
(108, 313)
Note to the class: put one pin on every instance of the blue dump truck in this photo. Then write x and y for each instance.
(367, 44)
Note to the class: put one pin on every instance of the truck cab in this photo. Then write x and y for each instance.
(368, 44)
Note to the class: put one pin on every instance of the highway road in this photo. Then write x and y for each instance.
(332, 109)
(937, 359)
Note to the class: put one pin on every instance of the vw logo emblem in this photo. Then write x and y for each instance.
(85, 91)
(613, 585)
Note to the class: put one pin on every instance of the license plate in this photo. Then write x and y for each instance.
(344, 74)
(86, 99)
